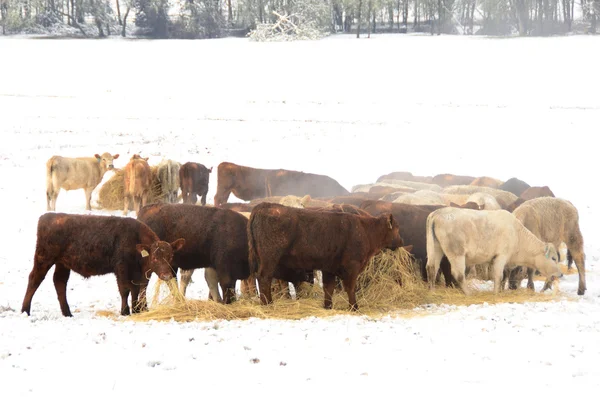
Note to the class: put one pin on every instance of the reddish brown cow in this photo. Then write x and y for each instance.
(138, 182)
(529, 194)
(248, 183)
(449, 180)
(216, 238)
(413, 219)
(338, 244)
(238, 207)
(193, 178)
(94, 245)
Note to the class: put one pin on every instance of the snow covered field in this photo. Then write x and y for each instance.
(351, 109)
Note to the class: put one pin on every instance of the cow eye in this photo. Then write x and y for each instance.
(554, 258)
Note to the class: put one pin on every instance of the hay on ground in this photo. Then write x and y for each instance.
(112, 193)
(390, 285)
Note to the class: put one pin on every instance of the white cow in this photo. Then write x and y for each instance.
(470, 237)
(75, 173)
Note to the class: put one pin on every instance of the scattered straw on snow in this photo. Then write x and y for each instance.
(390, 285)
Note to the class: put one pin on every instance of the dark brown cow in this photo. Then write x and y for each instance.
(529, 194)
(238, 207)
(515, 186)
(93, 245)
(137, 182)
(405, 176)
(338, 244)
(413, 219)
(449, 179)
(216, 238)
(248, 183)
(193, 178)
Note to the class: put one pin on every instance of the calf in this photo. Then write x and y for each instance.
(75, 173)
(216, 240)
(96, 245)
(338, 244)
(193, 178)
(470, 237)
(137, 181)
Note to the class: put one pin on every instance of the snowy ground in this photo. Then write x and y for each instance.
(351, 109)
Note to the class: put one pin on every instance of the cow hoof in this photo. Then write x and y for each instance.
(125, 312)
(580, 292)
(354, 308)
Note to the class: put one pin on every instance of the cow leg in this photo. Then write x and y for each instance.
(457, 264)
(498, 270)
(212, 279)
(142, 300)
(579, 259)
(350, 287)
(569, 260)
(193, 198)
(126, 199)
(447, 272)
(265, 280)
(51, 196)
(88, 198)
(203, 199)
(124, 292)
(228, 288)
(433, 265)
(530, 273)
(37, 275)
(61, 276)
(185, 277)
(328, 286)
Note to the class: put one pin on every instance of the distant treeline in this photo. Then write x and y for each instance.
(198, 19)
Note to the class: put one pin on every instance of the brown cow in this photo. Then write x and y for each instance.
(529, 194)
(137, 181)
(193, 178)
(75, 173)
(449, 180)
(339, 244)
(248, 183)
(413, 219)
(515, 186)
(216, 240)
(93, 245)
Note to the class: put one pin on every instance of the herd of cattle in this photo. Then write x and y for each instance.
(295, 226)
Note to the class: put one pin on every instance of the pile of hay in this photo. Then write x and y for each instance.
(111, 194)
(390, 285)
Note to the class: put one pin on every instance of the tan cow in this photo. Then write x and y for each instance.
(138, 182)
(470, 237)
(487, 181)
(503, 197)
(556, 221)
(75, 173)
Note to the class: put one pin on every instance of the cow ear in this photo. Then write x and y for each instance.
(97, 156)
(408, 248)
(146, 159)
(143, 249)
(178, 244)
(210, 169)
(116, 156)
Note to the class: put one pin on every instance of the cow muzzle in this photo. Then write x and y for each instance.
(111, 167)
(165, 276)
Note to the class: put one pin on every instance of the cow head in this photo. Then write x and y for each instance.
(138, 157)
(158, 258)
(392, 237)
(106, 160)
(547, 262)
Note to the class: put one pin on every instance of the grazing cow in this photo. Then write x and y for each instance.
(216, 240)
(75, 173)
(248, 183)
(471, 237)
(413, 219)
(405, 176)
(137, 181)
(531, 193)
(92, 245)
(338, 244)
(556, 221)
(515, 186)
(193, 178)
(168, 177)
(487, 181)
(449, 180)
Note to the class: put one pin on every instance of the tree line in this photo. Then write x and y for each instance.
(217, 18)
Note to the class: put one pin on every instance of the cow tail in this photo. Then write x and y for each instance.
(51, 177)
(132, 178)
(432, 241)
(252, 255)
